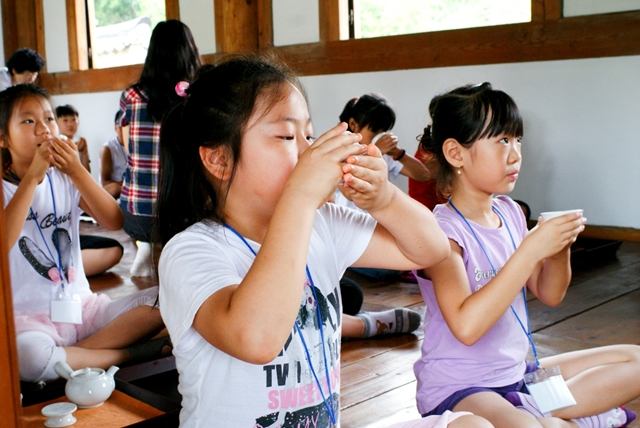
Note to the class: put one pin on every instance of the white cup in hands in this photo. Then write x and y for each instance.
(375, 139)
(548, 215)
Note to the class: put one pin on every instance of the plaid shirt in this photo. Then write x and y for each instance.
(140, 185)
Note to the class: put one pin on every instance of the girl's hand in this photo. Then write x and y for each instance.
(64, 155)
(366, 180)
(551, 237)
(319, 168)
(41, 162)
(387, 143)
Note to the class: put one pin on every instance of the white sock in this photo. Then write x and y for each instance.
(142, 263)
(399, 320)
(614, 418)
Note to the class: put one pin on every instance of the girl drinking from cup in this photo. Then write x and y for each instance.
(45, 187)
(252, 254)
(476, 327)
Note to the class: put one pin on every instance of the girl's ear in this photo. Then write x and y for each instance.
(3, 140)
(353, 125)
(217, 161)
(453, 152)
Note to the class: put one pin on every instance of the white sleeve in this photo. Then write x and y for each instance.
(191, 268)
(393, 167)
(350, 230)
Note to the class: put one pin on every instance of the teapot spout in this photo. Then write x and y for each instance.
(63, 369)
(112, 370)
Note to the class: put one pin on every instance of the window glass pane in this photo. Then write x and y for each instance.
(122, 29)
(375, 18)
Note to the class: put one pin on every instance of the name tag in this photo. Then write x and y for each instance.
(66, 308)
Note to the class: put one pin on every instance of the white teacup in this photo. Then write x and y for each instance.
(59, 414)
(552, 214)
(375, 139)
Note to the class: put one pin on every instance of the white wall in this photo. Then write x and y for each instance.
(591, 7)
(198, 15)
(295, 21)
(581, 146)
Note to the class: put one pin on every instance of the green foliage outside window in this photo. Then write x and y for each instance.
(392, 17)
(109, 12)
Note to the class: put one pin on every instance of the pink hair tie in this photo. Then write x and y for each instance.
(181, 88)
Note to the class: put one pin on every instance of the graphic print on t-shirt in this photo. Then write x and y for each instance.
(291, 384)
(40, 255)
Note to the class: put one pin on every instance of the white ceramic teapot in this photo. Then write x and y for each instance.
(88, 387)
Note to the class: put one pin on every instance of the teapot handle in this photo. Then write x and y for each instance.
(63, 369)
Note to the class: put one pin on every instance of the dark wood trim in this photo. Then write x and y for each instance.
(579, 37)
(570, 38)
(236, 25)
(95, 80)
(553, 9)
(10, 407)
(329, 12)
(265, 24)
(40, 43)
(172, 9)
(23, 35)
(77, 35)
(612, 233)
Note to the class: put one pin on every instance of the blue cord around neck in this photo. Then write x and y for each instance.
(329, 404)
(527, 330)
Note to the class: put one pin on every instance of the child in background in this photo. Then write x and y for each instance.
(23, 66)
(68, 120)
(475, 341)
(252, 254)
(426, 192)
(45, 188)
(113, 161)
(99, 253)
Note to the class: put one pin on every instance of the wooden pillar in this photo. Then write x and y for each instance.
(265, 24)
(25, 34)
(172, 9)
(545, 10)
(77, 35)
(10, 407)
(236, 25)
(329, 20)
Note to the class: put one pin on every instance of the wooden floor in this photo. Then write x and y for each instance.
(602, 307)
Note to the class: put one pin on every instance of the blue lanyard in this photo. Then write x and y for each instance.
(56, 260)
(329, 405)
(527, 330)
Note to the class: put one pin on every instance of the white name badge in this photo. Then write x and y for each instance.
(66, 308)
(549, 390)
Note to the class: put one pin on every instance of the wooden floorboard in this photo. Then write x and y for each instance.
(602, 307)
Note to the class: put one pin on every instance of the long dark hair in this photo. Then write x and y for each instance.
(172, 57)
(215, 113)
(9, 98)
(467, 114)
(370, 110)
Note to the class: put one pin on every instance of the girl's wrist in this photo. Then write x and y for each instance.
(399, 155)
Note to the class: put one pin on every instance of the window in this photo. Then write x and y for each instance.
(119, 30)
(376, 18)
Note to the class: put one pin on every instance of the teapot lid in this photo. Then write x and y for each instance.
(87, 373)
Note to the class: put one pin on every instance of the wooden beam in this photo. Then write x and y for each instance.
(40, 43)
(569, 38)
(329, 12)
(19, 26)
(95, 80)
(77, 35)
(172, 9)
(546, 9)
(265, 24)
(236, 25)
(10, 407)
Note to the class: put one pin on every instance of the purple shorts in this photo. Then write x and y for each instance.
(451, 401)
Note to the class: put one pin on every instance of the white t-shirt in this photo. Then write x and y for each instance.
(5, 78)
(118, 159)
(33, 259)
(221, 391)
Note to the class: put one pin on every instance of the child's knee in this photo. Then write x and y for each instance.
(37, 354)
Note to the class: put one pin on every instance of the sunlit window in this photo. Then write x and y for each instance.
(376, 18)
(120, 30)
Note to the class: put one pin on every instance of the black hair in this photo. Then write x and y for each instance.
(369, 110)
(214, 114)
(119, 114)
(172, 57)
(66, 110)
(9, 98)
(25, 59)
(467, 114)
